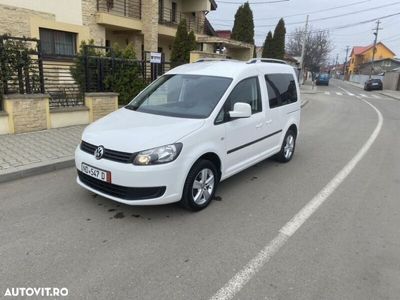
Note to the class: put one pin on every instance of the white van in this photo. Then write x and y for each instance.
(193, 127)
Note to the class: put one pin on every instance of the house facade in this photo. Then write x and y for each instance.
(150, 25)
(379, 66)
(361, 55)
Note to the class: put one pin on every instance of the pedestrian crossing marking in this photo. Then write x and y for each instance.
(362, 95)
(350, 94)
(376, 97)
(339, 94)
(327, 93)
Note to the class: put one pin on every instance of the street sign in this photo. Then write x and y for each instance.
(155, 57)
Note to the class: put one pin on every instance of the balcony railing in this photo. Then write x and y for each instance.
(123, 8)
(170, 17)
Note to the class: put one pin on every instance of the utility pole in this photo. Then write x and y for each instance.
(303, 49)
(345, 62)
(336, 63)
(374, 48)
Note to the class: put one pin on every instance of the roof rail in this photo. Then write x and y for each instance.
(212, 59)
(266, 60)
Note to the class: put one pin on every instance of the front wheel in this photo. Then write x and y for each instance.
(200, 186)
(287, 148)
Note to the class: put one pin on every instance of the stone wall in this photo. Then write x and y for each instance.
(97, 32)
(100, 104)
(27, 113)
(16, 21)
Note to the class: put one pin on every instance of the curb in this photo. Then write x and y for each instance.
(37, 169)
(389, 96)
(304, 103)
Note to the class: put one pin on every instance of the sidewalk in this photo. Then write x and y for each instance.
(26, 154)
(390, 94)
(387, 93)
(308, 88)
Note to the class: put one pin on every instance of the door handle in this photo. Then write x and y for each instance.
(268, 122)
(259, 125)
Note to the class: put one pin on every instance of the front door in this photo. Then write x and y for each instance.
(243, 138)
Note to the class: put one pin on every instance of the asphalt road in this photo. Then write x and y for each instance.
(55, 234)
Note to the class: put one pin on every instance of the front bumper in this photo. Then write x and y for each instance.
(133, 185)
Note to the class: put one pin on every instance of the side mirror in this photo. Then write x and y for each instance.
(240, 110)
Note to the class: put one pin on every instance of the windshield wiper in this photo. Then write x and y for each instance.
(130, 107)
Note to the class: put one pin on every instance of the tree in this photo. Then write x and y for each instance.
(243, 26)
(191, 44)
(317, 49)
(278, 42)
(121, 71)
(183, 44)
(267, 48)
(126, 79)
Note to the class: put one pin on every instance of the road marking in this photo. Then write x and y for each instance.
(239, 280)
(362, 95)
(327, 93)
(350, 94)
(339, 94)
(376, 96)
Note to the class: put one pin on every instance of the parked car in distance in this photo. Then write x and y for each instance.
(322, 79)
(193, 127)
(373, 84)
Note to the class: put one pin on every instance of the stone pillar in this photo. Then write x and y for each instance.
(100, 104)
(27, 113)
(150, 22)
(97, 32)
(200, 22)
(137, 40)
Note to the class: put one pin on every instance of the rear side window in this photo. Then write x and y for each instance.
(281, 89)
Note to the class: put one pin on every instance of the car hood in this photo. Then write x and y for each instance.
(130, 131)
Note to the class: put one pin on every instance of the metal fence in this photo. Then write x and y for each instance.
(24, 69)
(20, 66)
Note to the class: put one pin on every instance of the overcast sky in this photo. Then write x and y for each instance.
(267, 14)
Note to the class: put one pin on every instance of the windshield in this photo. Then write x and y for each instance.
(185, 96)
(324, 76)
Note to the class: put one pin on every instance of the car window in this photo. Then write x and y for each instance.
(281, 88)
(185, 96)
(247, 91)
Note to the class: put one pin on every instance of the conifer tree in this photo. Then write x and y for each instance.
(267, 48)
(278, 42)
(243, 26)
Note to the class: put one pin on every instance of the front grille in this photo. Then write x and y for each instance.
(122, 192)
(122, 157)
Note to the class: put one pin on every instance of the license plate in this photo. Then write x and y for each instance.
(374, 84)
(96, 173)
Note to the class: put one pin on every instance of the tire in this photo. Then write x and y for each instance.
(198, 192)
(287, 148)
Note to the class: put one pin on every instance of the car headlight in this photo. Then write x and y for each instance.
(159, 155)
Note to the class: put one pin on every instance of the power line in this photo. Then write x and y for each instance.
(338, 16)
(306, 13)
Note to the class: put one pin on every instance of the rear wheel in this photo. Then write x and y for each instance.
(200, 186)
(287, 148)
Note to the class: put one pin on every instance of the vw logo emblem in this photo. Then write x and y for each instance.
(99, 152)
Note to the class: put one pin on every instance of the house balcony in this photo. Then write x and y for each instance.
(171, 18)
(120, 14)
(122, 8)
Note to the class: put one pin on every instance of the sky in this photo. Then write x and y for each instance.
(335, 15)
